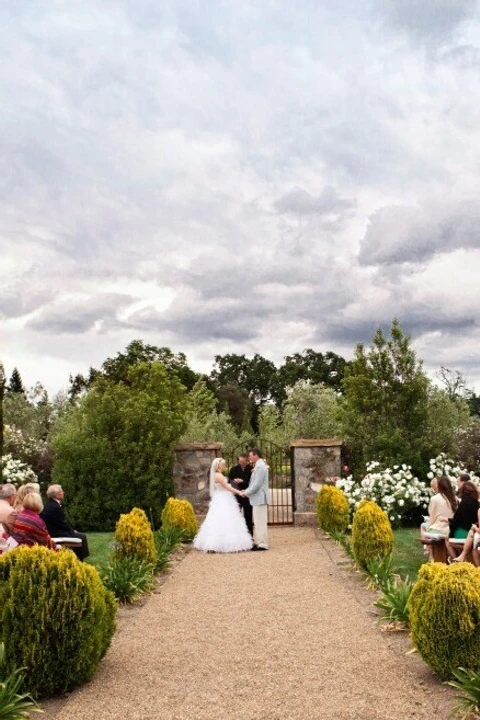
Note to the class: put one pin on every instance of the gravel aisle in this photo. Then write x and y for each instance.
(259, 636)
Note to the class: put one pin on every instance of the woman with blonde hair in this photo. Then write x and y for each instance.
(29, 528)
(22, 492)
(224, 529)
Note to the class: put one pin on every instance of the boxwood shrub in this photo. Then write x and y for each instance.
(372, 536)
(333, 511)
(56, 618)
(180, 514)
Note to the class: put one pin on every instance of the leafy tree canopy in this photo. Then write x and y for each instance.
(316, 367)
(117, 369)
(257, 375)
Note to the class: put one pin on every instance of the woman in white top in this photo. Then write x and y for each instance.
(441, 507)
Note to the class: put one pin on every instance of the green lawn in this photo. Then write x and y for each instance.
(100, 550)
(407, 552)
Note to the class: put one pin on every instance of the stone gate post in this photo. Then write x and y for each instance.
(191, 472)
(314, 462)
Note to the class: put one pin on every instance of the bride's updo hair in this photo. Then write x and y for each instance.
(216, 464)
(213, 469)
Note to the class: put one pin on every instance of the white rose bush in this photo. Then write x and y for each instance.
(442, 465)
(396, 490)
(16, 472)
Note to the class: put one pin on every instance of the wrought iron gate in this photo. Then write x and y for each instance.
(280, 475)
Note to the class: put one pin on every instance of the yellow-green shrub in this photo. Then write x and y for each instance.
(333, 512)
(56, 618)
(180, 514)
(372, 536)
(444, 610)
(134, 536)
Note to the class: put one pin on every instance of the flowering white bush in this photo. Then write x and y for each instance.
(396, 490)
(16, 471)
(442, 465)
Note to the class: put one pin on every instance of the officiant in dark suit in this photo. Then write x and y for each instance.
(239, 477)
(54, 518)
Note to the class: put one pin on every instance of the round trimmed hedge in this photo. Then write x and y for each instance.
(444, 611)
(180, 514)
(56, 618)
(333, 511)
(372, 536)
(134, 536)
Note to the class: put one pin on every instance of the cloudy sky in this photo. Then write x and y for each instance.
(241, 177)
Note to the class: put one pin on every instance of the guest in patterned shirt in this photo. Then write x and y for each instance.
(29, 528)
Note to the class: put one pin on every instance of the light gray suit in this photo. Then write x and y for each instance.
(258, 494)
(257, 491)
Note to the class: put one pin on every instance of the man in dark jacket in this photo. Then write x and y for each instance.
(239, 477)
(54, 519)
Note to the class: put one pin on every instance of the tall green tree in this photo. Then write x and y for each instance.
(15, 384)
(236, 402)
(256, 376)
(115, 449)
(448, 418)
(310, 411)
(206, 424)
(386, 402)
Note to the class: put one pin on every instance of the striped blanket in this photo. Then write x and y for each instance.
(29, 529)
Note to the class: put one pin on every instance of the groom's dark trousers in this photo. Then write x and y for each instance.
(243, 474)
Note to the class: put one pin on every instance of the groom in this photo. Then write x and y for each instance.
(257, 493)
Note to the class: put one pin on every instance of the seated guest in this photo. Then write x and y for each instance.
(440, 509)
(29, 528)
(55, 521)
(471, 544)
(24, 490)
(462, 478)
(8, 513)
(465, 515)
(6, 541)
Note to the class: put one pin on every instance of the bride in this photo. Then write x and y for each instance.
(224, 529)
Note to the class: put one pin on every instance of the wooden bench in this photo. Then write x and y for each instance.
(67, 542)
(439, 550)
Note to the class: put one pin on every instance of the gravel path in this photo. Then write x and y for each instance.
(278, 635)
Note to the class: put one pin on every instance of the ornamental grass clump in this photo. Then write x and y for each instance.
(394, 600)
(372, 536)
(134, 537)
(14, 704)
(444, 611)
(56, 618)
(333, 511)
(128, 578)
(167, 539)
(180, 514)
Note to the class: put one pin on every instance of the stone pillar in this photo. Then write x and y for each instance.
(191, 473)
(314, 463)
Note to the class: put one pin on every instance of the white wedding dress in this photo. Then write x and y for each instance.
(224, 529)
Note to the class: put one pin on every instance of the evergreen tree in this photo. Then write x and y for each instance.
(15, 384)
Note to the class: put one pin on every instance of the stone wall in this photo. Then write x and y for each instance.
(314, 462)
(191, 473)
